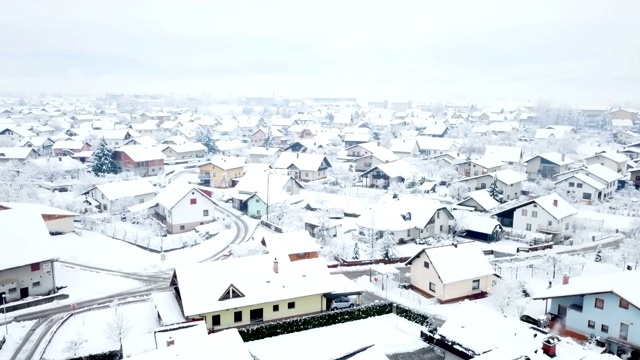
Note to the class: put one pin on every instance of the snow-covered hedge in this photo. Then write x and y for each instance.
(415, 316)
(109, 355)
(309, 322)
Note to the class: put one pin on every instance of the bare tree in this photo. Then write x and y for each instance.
(118, 328)
(73, 346)
(505, 293)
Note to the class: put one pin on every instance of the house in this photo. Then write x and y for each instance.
(482, 166)
(547, 165)
(27, 256)
(627, 114)
(356, 138)
(117, 196)
(475, 226)
(430, 146)
(464, 336)
(221, 170)
(369, 154)
(604, 175)
(607, 305)
(634, 176)
(451, 273)
(625, 137)
(258, 136)
(181, 207)
(297, 245)
(20, 154)
(303, 166)
(146, 140)
(612, 160)
(14, 135)
(43, 145)
(67, 166)
(385, 174)
(147, 128)
(116, 138)
(279, 187)
(479, 200)
(404, 148)
(581, 187)
(511, 155)
(255, 289)
(549, 214)
(435, 131)
(140, 160)
(185, 151)
(156, 115)
(509, 183)
(258, 154)
(57, 221)
(621, 124)
(69, 147)
(306, 145)
(407, 218)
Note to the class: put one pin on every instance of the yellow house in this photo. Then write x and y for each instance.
(452, 273)
(250, 290)
(220, 170)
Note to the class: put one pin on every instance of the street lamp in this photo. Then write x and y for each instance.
(268, 191)
(4, 306)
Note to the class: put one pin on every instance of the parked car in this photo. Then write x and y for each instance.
(533, 321)
(342, 302)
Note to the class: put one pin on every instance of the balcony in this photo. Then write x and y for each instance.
(204, 176)
(549, 229)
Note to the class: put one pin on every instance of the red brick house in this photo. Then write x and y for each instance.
(141, 160)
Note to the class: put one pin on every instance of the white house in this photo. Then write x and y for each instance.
(430, 146)
(511, 155)
(404, 148)
(13, 135)
(117, 196)
(43, 145)
(406, 217)
(480, 200)
(303, 166)
(369, 154)
(452, 273)
(258, 154)
(187, 150)
(549, 214)
(509, 183)
(582, 187)
(476, 167)
(605, 175)
(614, 161)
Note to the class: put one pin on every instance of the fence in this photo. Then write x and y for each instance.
(2, 341)
(590, 230)
(146, 240)
(347, 263)
(526, 237)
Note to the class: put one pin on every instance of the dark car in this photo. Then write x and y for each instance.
(531, 320)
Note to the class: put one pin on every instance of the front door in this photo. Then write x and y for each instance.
(624, 331)
(562, 314)
(24, 292)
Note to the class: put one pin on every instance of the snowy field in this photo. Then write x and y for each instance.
(85, 285)
(391, 334)
(94, 330)
(17, 331)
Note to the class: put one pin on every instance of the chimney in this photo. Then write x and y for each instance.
(555, 202)
(562, 157)
(170, 342)
(378, 143)
(565, 279)
(297, 155)
(549, 346)
(275, 265)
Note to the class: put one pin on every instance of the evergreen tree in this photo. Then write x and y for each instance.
(356, 252)
(205, 138)
(103, 162)
(494, 192)
(599, 254)
(269, 141)
(388, 246)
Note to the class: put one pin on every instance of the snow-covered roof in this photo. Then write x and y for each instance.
(475, 222)
(187, 147)
(176, 139)
(488, 162)
(174, 192)
(119, 134)
(302, 161)
(295, 242)
(621, 123)
(387, 214)
(15, 153)
(508, 176)
(504, 153)
(168, 308)
(143, 140)
(128, 188)
(435, 130)
(555, 157)
(38, 208)
(357, 137)
(139, 153)
(618, 283)
(227, 162)
(483, 199)
(254, 277)
(560, 211)
(398, 168)
(587, 180)
(377, 150)
(259, 150)
(67, 144)
(35, 141)
(61, 163)
(25, 238)
(435, 143)
(457, 262)
(405, 146)
(24, 132)
(613, 156)
(603, 172)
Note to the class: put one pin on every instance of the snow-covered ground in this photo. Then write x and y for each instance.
(84, 285)
(16, 332)
(391, 334)
(95, 328)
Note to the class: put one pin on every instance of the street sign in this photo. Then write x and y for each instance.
(375, 279)
(74, 306)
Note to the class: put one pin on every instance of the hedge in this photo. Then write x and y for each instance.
(309, 322)
(414, 316)
(109, 355)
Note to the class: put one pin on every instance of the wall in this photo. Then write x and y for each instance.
(464, 288)
(183, 213)
(533, 166)
(520, 221)
(421, 276)
(22, 277)
(578, 192)
(256, 209)
(304, 306)
(511, 191)
(61, 224)
(292, 188)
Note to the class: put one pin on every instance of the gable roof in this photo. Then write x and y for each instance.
(23, 229)
(405, 146)
(123, 189)
(613, 156)
(227, 162)
(16, 153)
(187, 147)
(398, 168)
(587, 180)
(459, 262)
(435, 143)
(176, 191)
(603, 172)
(554, 157)
(504, 153)
(387, 214)
(139, 153)
(19, 130)
(559, 212)
(483, 199)
(302, 161)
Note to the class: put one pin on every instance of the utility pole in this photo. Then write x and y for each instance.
(4, 306)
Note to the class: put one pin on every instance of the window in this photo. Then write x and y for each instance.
(237, 316)
(291, 305)
(408, 232)
(483, 186)
(35, 267)
(572, 184)
(13, 290)
(193, 201)
(566, 226)
(437, 214)
(599, 303)
(604, 328)
(549, 223)
(591, 324)
(534, 214)
(205, 212)
(441, 227)
(432, 287)
(579, 185)
(475, 284)
(181, 227)
(215, 320)
(140, 201)
(257, 200)
(524, 212)
(426, 264)
(624, 304)
(276, 308)
(528, 227)
(624, 331)
(35, 284)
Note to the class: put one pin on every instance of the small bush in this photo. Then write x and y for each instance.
(109, 355)
(302, 323)
(414, 316)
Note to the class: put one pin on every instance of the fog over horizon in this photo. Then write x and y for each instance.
(582, 52)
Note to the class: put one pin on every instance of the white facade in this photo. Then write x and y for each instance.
(579, 189)
(534, 218)
(509, 191)
(118, 205)
(186, 214)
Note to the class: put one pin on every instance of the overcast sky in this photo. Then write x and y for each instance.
(582, 51)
